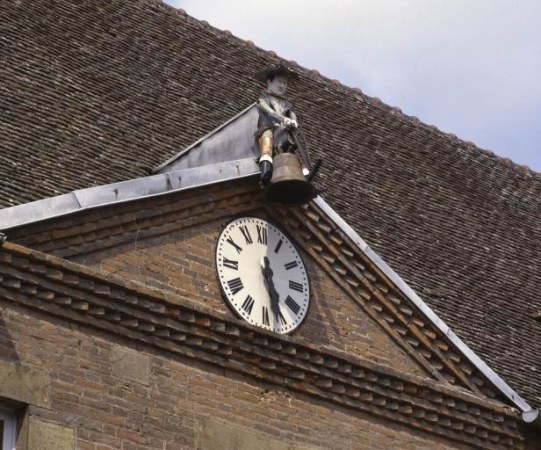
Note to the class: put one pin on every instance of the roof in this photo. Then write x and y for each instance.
(102, 92)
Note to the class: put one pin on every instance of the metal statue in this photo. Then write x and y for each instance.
(284, 162)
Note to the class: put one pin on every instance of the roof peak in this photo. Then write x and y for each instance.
(376, 101)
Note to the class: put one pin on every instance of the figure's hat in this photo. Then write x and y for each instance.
(264, 75)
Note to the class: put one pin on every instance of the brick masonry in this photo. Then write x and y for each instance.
(167, 244)
(181, 327)
(132, 230)
(184, 262)
(110, 411)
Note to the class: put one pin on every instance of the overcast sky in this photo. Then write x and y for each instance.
(470, 67)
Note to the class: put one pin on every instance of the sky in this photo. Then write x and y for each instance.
(469, 67)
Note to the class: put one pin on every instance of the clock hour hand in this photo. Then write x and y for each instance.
(273, 293)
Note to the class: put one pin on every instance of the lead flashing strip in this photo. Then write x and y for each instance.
(125, 191)
(196, 143)
(424, 308)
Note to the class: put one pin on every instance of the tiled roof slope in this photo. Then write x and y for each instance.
(99, 91)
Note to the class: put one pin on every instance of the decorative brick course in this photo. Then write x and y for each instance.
(106, 412)
(111, 226)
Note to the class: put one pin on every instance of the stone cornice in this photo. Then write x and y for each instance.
(177, 325)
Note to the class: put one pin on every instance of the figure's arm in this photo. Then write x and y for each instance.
(293, 119)
(269, 111)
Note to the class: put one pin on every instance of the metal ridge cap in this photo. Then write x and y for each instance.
(196, 143)
(494, 378)
(532, 417)
(125, 191)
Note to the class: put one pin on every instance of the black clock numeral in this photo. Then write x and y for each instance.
(277, 248)
(291, 265)
(232, 242)
(261, 234)
(235, 285)
(231, 264)
(293, 305)
(281, 318)
(296, 286)
(248, 304)
(246, 234)
(265, 316)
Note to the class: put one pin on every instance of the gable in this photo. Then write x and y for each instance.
(134, 240)
(361, 302)
(169, 244)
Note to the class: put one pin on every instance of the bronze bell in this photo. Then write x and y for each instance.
(288, 186)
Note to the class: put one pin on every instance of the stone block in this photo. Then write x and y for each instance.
(215, 435)
(49, 436)
(130, 365)
(24, 384)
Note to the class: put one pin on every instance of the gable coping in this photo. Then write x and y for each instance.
(424, 308)
(125, 191)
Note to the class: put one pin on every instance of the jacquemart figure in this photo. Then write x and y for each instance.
(277, 122)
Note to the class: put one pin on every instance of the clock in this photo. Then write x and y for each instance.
(262, 275)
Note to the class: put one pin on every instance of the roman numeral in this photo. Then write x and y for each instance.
(295, 286)
(293, 305)
(248, 304)
(231, 264)
(235, 285)
(281, 318)
(261, 234)
(265, 316)
(246, 234)
(232, 242)
(277, 248)
(291, 265)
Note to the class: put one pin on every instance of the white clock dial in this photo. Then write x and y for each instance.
(262, 275)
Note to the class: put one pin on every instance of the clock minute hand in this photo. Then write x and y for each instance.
(273, 293)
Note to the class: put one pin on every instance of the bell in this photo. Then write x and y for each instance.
(288, 186)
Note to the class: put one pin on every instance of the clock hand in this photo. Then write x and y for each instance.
(273, 293)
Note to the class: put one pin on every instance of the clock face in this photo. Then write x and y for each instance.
(262, 275)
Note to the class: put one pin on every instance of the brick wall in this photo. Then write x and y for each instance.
(168, 243)
(183, 262)
(165, 407)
